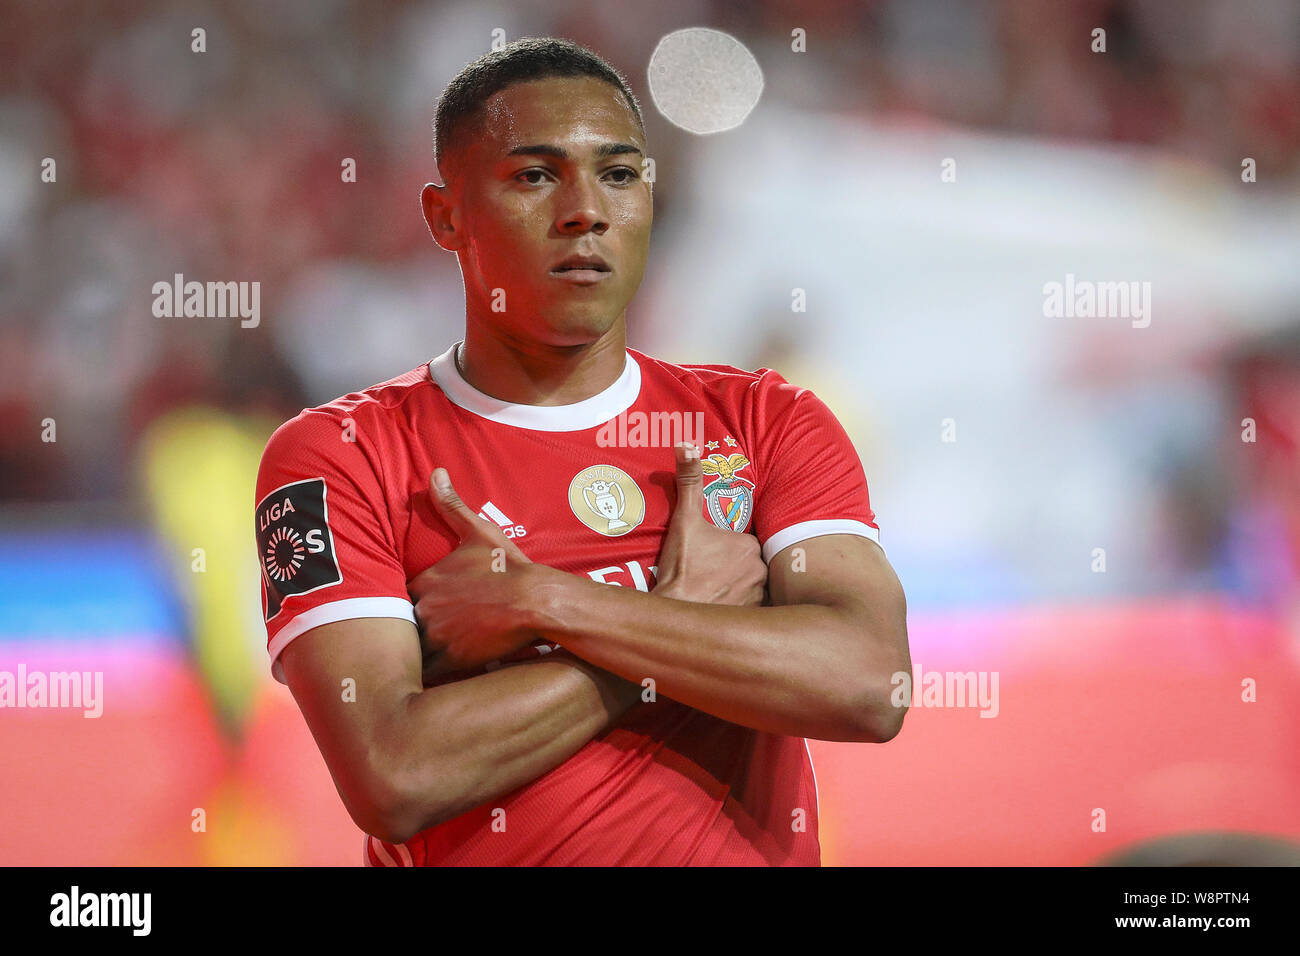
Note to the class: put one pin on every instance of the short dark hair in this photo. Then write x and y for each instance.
(530, 58)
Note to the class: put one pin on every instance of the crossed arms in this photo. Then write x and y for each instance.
(817, 661)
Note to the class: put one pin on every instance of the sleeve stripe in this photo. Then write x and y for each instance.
(812, 529)
(335, 611)
(386, 854)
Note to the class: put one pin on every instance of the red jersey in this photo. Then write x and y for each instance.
(344, 519)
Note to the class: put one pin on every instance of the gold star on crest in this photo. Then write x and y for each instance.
(710, 445)
(731, 441)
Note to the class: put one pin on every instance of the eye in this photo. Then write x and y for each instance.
(535, 171)
(627, 175)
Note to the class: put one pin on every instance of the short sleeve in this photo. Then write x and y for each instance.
(812, 478)
(324, 540)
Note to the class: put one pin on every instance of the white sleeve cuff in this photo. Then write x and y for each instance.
(328, 614)
(812, 529)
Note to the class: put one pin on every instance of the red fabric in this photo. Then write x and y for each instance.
(667, 784)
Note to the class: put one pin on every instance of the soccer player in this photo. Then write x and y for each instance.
(549, 600)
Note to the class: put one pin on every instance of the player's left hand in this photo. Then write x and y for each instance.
(699, 561)
(468, 606)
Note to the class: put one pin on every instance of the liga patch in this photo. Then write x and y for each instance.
(294, 542)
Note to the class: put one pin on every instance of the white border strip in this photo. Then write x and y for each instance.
(817, 796)
(344, 610)
(812, 529)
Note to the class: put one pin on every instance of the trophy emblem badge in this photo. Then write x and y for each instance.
(606, 500)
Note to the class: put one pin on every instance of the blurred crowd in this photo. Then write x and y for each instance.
(225, 165)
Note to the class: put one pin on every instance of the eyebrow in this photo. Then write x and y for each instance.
(545, 149)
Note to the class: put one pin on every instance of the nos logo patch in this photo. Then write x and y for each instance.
(294, 543)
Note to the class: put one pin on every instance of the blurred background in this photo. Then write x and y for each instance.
(1106, 516)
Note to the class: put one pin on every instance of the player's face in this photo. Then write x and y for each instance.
(555, 173)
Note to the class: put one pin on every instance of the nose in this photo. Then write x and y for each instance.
(582, 209)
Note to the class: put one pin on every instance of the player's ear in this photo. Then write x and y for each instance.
(442, 216)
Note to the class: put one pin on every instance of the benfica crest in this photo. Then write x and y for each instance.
(729, 499)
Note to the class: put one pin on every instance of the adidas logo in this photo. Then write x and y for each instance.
(491, 512)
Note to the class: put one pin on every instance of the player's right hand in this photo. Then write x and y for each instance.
(698, 560)
(467, 606)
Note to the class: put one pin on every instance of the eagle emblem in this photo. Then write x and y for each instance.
(729, 499)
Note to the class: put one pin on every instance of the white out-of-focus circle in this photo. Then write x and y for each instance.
(703, 80)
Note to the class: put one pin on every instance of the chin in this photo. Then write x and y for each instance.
(580, 329)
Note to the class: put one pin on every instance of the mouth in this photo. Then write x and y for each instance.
(582, 270)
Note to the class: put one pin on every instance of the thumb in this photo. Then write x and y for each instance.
(454, 511)
(690, 482)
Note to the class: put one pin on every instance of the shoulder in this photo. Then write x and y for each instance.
(364, 413)
(763, 387)
(357, 436)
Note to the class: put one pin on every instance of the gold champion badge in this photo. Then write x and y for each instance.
(606, 500)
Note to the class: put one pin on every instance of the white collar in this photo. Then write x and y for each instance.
(587, 413)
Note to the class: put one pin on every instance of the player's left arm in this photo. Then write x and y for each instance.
(820, 660)
(817, 663)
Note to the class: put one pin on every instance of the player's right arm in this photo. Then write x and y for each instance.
(405, 758)
(341, 633)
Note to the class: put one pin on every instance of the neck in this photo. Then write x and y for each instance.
(531, 373)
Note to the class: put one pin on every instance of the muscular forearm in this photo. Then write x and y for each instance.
(464, 743)
(804, 670)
